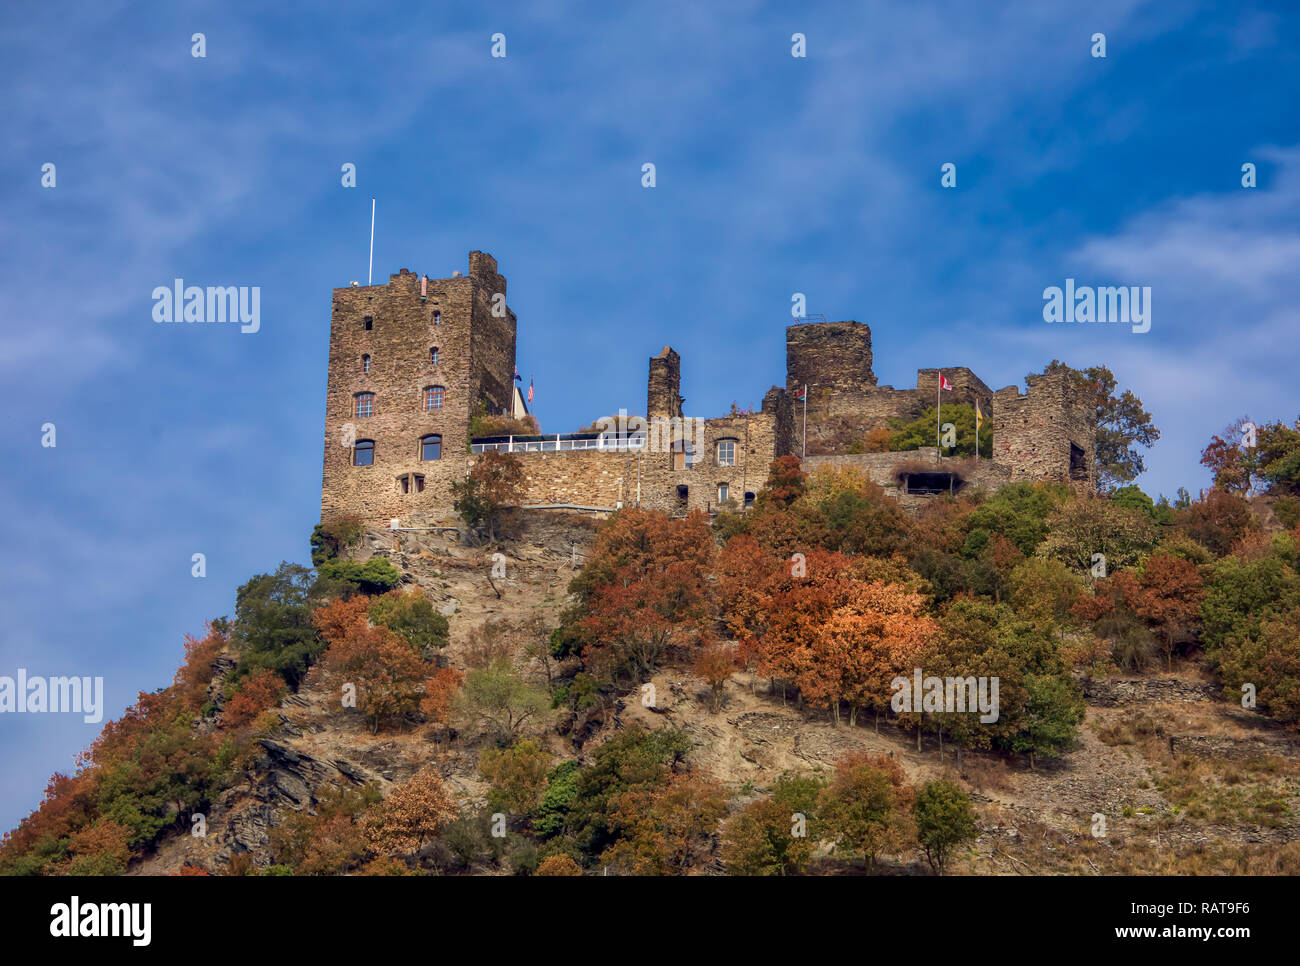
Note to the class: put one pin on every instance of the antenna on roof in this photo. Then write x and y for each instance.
(370, 272)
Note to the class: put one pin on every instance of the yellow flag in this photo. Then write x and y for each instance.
(979, 417)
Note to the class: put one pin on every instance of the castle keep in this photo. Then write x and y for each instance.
(411, 361)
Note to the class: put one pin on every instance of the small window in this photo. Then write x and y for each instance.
(433, 356)
(431, 448)
(749, 500)
(370, 322)
(723, 493)
(433, 398)
(726, 452)
(683, 493)
(365, 405)
(365, 364)
(405, 483)
(419, 482)
(437, 317)
(363, 452)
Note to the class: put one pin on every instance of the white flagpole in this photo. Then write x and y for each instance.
(370, 272)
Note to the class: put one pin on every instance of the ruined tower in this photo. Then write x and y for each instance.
(1049, 433)
(663, 392)
(410, 363)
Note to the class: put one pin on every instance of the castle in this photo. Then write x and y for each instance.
(412, 361)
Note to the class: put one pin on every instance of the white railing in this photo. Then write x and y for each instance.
(560, 443)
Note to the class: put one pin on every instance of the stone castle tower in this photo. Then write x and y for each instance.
(410, 363)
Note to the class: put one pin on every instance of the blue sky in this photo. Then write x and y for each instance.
(775, 175)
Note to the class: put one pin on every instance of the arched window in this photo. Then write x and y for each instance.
(363, 452)
(433, 356)
(431, 448)
(365, 363)
(437, 317)
(364, 407)
(433, 397)
(370, 322)
(726, 452)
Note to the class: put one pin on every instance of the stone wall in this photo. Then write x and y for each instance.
(887, 469)
(476, 354)
(1034, 433)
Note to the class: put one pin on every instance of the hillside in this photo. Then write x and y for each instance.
(651, 695)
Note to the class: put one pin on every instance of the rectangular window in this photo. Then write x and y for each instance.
(722, 493)
(433, 397)
(726, 452)
(365, 405)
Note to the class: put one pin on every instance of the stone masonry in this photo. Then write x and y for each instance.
(383, 340)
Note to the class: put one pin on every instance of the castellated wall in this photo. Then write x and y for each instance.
(476, 354)
(886, 470)
(1048, 433)
(836, 418)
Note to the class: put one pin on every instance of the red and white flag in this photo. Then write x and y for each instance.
(944, 383)
(530, 389)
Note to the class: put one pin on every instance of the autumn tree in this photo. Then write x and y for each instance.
(440, 695)
(256, 693)
(867, 807)
(642, 593)
(663, 829)
(555, 865)
(1218, 520)
(1169, 599)
(1232, 459)
(714, 664)
(786, 482)
(411, 816)
(385, 670)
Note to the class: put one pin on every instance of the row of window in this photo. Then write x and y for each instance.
(365, 360)
(369, 320)
(363, 406)
(363, 451)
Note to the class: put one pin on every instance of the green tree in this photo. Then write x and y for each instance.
(272, 627)
(922, 431)
(333, 535)
(775, 835)
(944, 820)
(411, 616)
(497, 699)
